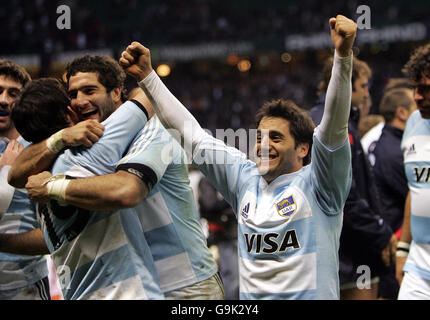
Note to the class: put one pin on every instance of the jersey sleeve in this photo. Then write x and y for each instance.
(121, 129)
(150, 154)
(331, 175)
(224, 166)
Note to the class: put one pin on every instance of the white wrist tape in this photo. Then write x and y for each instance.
(57, 187)
(403, 245)
(402, 254)
(55, 143)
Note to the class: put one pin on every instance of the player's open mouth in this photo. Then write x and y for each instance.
(267, 158)
(89, 114)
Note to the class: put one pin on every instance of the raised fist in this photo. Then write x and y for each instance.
(343, 33)
(136, 61)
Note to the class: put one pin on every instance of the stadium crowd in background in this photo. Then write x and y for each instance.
(219, 96)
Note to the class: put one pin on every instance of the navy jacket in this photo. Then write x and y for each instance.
(390, 175)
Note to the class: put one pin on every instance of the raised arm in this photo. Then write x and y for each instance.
(136, 60)
(333, 130)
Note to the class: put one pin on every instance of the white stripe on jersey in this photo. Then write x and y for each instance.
(411, 154)
(419, 255)
(79, 172)
(420, 203)
(297, 273)
(267, 214)
(129, 289)
(85, 248)
(11, 223)
(218, 145)
(160, 215)
(144, 143)
(175, 272)
(144, 133)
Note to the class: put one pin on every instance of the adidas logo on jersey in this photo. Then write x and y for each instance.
(245, 211)
(411, 150)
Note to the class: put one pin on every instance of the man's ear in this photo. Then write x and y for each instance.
(116, 95)
(303, 150)
(72, 116)
(402, 113)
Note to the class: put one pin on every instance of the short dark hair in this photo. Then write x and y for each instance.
(109, 72)
(12, 70)
(398, 83)
(393, 99)
(301, 125)
(359, 67)
(418, 64)
(41, 110)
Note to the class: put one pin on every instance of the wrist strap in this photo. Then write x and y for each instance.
(55, 143)
(57, 187)
(403, 246)
(402, 253)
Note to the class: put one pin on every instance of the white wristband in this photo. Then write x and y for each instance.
(55, 143)
(403, 245)
(402, 254)
(57, 187)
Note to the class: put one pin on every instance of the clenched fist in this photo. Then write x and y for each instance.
(36, 187)
(343, 33)
(136, 61)
(85, 133)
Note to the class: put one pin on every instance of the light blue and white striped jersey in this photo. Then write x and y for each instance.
(289, 230)
(100, 255)
(17, 271)
(416, 155)
(169, 214)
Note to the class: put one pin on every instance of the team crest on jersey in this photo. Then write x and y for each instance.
(287, 207)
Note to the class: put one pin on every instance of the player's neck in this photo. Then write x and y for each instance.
(11, 133)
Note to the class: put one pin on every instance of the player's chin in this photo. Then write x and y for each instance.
(267, 166)
(425, 111)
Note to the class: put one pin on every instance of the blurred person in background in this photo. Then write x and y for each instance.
(396, 107)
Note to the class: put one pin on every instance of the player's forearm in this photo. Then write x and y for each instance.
(33, 160)
(170, 110)
(406, 227)
(30, 244)
(333, 130)
(110, 192)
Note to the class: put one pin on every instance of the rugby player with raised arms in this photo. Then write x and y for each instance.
(289, 207)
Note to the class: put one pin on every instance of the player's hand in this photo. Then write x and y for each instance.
(389, 252)
(85, 133)
(343, 33)
(37, 188)
(136, 61)
(12, 152)
(400, 263)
